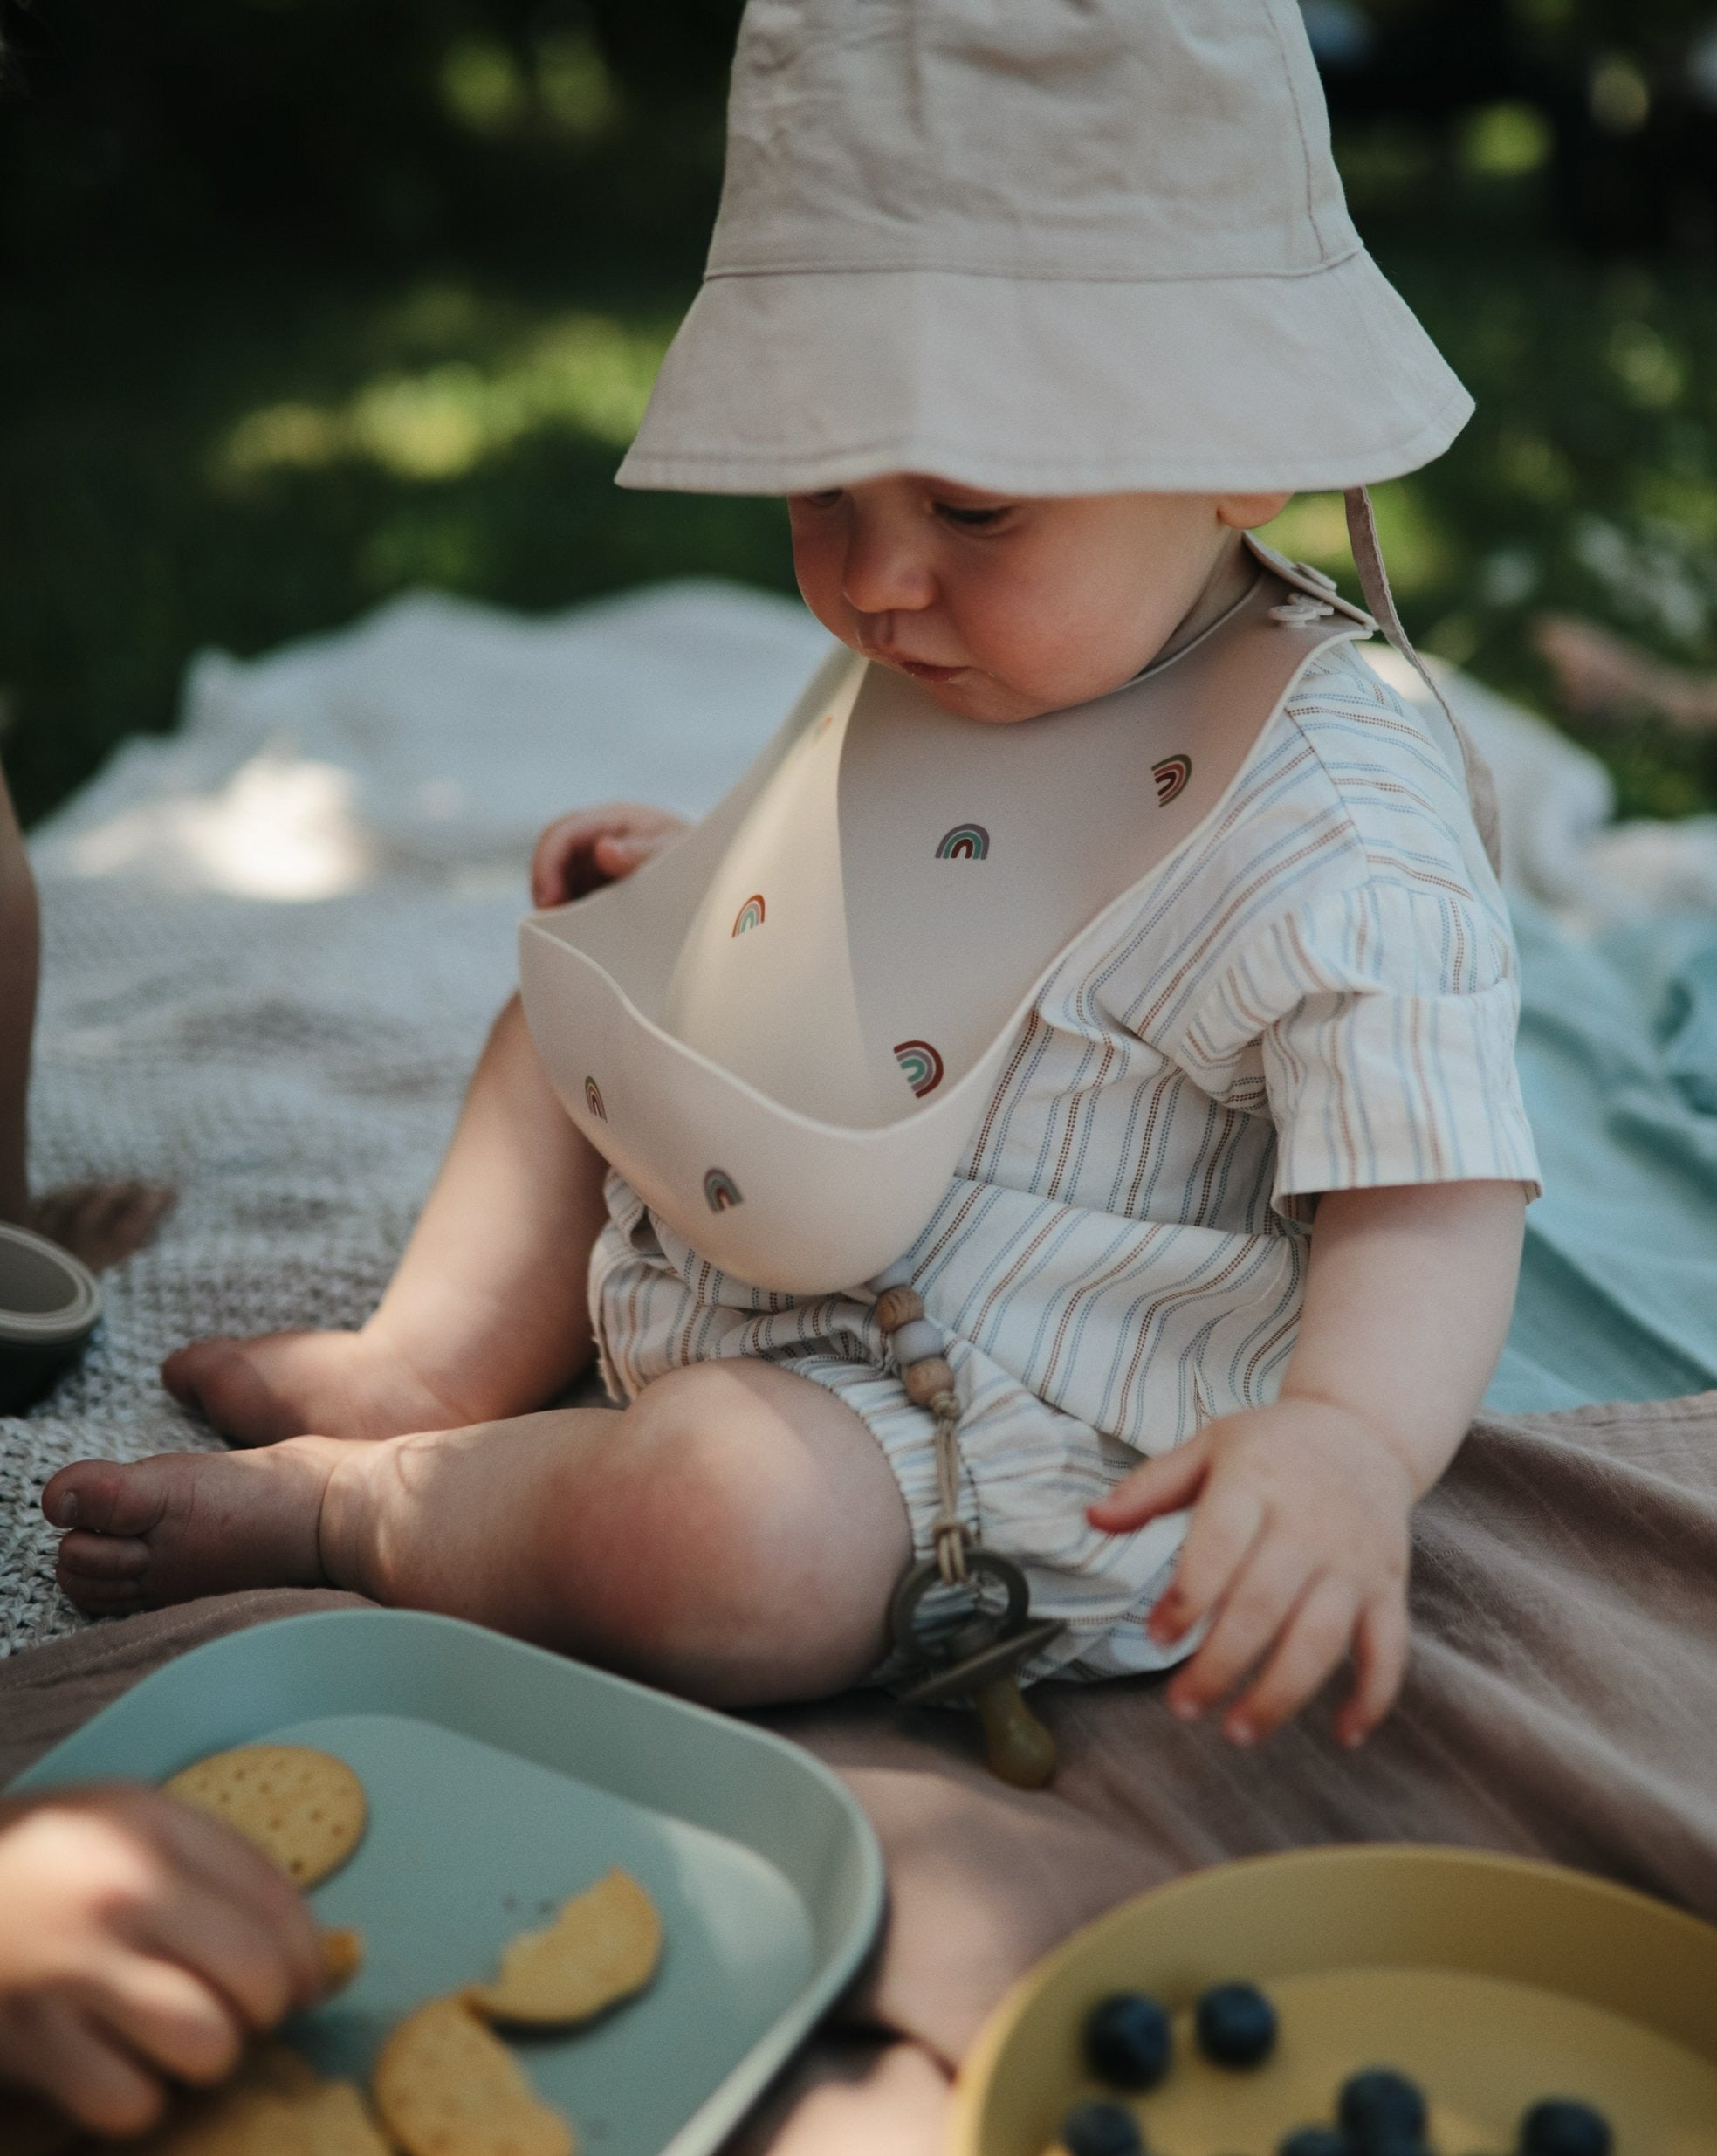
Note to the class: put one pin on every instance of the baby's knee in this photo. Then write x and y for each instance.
(696, 1496)
(706, 1551)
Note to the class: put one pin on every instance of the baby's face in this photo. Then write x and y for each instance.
(1005, 607)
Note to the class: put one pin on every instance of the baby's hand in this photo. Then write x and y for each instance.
(579, 853)
(139, 1940)
(1297, 1551)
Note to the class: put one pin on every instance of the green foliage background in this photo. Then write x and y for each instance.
(308, 301)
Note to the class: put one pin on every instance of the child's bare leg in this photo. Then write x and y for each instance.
(20, 957)
(487, 1315)
(735, 1534)
(102, 1223)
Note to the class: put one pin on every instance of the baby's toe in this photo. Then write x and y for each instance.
(112, 1559)
(219, 1379)
(187, 1369)
(105, 1497)
(102, 1574)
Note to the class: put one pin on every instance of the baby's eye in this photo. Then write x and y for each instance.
(970, 519)
(826, 500)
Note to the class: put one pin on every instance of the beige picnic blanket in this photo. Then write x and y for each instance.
(1562, 1704)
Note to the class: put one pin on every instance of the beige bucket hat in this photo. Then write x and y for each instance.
(1038, 246)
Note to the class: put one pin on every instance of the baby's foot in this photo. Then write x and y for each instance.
(283, 1384)
(184, 1524)
(102, 1223)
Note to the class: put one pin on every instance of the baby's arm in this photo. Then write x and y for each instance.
(1297, 1551)
(518, 1205)
(486, 1315)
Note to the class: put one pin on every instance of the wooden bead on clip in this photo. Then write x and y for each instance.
(926, 1382)
(898, 1306)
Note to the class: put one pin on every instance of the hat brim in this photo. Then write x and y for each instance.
(785, 382)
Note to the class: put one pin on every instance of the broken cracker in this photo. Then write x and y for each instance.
(604, 1946)
(276, 2105)
(445, 2085)
(342, 1957)
(304, 1809)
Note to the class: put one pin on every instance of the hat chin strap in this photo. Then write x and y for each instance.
(1374, 582)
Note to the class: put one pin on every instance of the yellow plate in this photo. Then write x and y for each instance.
(1492, 1981)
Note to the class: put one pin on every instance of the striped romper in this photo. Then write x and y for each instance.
(1316, 992)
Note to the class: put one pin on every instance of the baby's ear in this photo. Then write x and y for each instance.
(1245, 513)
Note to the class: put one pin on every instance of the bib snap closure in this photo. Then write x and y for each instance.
(1301, 609)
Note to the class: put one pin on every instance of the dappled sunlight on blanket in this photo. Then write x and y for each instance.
(281, 827)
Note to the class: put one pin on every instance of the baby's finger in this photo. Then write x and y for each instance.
(167, 2017)
(579, 853)
(1168, 1484)
(1253, 1612)
(237, 1872)
(232, 1949)
(553, 853)
(1380, 1662)
(1224, 1525)
(1313, 1641)
(617, 854)
(85, 2071)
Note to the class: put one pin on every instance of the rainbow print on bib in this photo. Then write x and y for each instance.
(721, 1193)
(751, 915)
(593, 1100)
(921, 1065)
(1170, 775)
(966, 841)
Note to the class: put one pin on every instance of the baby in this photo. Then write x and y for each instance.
(1032, 318)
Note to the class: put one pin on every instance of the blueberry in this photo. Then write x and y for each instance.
(1381, 2108)
(1101, 2130)
(1128, 2040)
(1315, 2141)
(1561, 2127)
(1237, 2025)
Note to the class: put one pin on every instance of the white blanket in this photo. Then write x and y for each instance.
(274, 941)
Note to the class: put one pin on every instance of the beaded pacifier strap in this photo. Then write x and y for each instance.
(972, 1651)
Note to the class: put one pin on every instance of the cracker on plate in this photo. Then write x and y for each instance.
(342, 1957)
(445, 2085)
(304, 1809)
(276, 2105)
(604, 1946)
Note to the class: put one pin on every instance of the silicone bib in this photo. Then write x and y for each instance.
(783, 1031)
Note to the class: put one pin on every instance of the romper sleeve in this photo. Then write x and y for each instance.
(1378, 1021)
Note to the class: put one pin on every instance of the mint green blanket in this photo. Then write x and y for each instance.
(1618, 1058)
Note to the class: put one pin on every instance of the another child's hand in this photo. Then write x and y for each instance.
(579, 853)
(1297, 1552)
(139, 1940)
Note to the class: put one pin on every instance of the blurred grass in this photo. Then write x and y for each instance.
(236, 453)
(1586, 482)
(242, 461)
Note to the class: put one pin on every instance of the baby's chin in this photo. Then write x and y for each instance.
(969, 692)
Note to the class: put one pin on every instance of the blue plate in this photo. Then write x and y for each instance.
(502, 1779)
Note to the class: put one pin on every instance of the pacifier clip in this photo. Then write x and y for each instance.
(937, 1614)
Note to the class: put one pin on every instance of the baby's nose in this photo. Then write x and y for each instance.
(881, 578)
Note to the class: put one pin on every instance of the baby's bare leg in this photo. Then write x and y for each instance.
(487, 1315)
(734, 1534)
(102, 1223)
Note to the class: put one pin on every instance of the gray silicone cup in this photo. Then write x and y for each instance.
(49, 1305)
(502, 1779)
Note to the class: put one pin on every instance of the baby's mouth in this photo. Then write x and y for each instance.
(921, 670)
